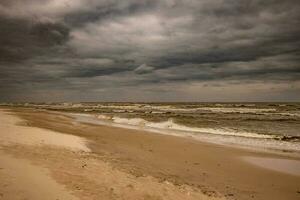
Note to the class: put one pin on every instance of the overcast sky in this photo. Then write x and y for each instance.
(149, 50)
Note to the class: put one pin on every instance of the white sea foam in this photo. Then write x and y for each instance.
(170, 108)
(104, 117)
(291, 114)
(130, 121)
(171, 125)
(238, 110)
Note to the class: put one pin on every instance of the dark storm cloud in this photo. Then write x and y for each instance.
(93, 44)
(21, 39)
(143, 69)
(108, 11)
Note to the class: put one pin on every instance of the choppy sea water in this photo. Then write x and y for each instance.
(217, 136)
(259, 125)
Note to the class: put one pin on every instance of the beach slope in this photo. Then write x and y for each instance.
(85, 161)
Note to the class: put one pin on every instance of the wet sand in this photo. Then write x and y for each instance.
(287, 166)
(132, 164)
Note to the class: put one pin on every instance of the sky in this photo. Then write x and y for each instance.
(149, 50)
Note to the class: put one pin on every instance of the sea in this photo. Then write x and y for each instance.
(268, 126)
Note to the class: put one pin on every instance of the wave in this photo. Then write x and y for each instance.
(224, 136)
(169, 108)
(171, 125)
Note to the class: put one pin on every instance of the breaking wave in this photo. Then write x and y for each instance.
(171, 125)
(224, 135)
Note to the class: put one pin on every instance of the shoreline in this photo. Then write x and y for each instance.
(217, 171)
(271, 145)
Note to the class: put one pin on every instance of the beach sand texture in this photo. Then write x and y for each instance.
(45, 154)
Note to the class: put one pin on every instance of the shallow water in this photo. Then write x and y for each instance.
(281, 165)
(225, 139)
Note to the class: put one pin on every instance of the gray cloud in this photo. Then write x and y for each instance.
(73, 46)
(22, 39)
(143, 69)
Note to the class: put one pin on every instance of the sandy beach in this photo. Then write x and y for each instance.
(149, 100)
(48, 155)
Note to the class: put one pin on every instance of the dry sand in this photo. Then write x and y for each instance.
(22, 180)
(127, 164)
(12, 132)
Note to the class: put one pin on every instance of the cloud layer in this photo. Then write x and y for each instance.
(149, 50)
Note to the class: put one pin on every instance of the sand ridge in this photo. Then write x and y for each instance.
(15, 131)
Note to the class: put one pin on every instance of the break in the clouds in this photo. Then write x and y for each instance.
(149, 50)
